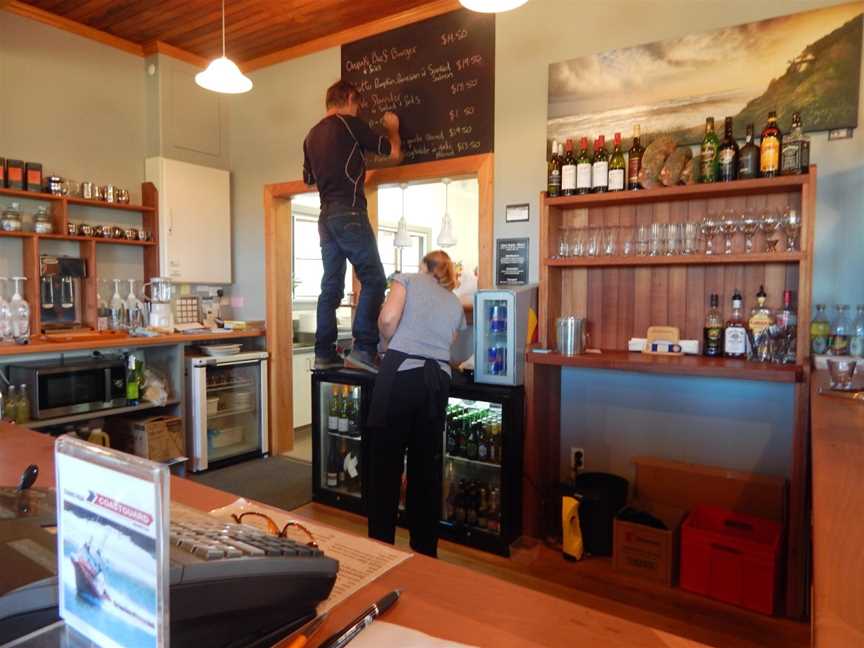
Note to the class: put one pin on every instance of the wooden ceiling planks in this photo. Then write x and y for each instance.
(257, 30)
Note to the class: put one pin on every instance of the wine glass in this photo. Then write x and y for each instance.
(20, 311)
(563, 246)
(577, 241)
(594, 241)
(610, 240)
(118, 309)
(749, 225)
(728, 227)
(642, 237)
(769, 223)
(710, 227)
(133, 307)
(791, 228)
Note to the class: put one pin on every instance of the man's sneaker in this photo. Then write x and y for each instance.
(330, 361)
(363, 360)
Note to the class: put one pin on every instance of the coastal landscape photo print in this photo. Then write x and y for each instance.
(806, 62)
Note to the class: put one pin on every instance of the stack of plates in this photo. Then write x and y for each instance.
(222, 349)
(239, 400)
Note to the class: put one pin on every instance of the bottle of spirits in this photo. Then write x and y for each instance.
(494, 524)
(761, 317)
(344, 421)
(728, 154)
(712, 345)
(787, 322)
(840, 331)
(472, 441)
(333, 410)
(341, 474)
(634, 161)
(769, 149)
(748, 157)
(553, 189)
(448, 489)
(820, 331)
(710, 163)
(856, 342)
(735, 333)
(600, 166)
(583, 168)
(568, 170)
(617, 167)
(483, 509)
(332, 478)
(795, 157)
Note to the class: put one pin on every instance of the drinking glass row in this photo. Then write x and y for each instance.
(122, 306)
(672, 239)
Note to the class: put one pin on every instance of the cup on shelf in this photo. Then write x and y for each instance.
(110, 193)
(627, 240)
(769, 222)
(72, 229)
(89, 191)
(691, 238)
(576, 241)
(748, 226)
(728, 226)
(710, 227)
(131, 234)
(123, 196)
(85, 230)
(610, 240)
(791, 228)
(674, 235)
(842, 372)
(643, 236)
(657, 240)
(594, 241)
(143, 235)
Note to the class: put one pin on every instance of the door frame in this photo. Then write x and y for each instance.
(279, 255)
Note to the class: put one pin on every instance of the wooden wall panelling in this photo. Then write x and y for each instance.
(89, 285)
(150, 223)
(804, 296)
(798, 527)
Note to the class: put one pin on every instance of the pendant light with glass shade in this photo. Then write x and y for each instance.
(492, 6)
(223, 75)
(446, 237)
(402, 239)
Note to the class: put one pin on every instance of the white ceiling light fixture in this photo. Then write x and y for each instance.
(492, 6)
(446, 237)
(223, 75)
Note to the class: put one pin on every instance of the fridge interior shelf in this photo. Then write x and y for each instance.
(342, 491)
(342, 435)
(235, 385)
(473, 462)
(469, 530)
(236, 412)
(215, 454)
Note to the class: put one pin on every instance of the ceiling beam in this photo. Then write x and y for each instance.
(159, 47)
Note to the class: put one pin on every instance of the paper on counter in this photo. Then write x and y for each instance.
(361, 560)
(381, 633)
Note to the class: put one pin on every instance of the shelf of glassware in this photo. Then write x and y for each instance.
(614, 261)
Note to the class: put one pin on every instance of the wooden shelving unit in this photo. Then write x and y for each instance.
(60, 210)
(621, 296)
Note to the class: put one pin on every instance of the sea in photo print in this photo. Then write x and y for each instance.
(807, 62)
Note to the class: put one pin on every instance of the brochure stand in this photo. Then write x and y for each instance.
(112, 546)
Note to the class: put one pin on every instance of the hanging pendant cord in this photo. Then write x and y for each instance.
(223, 28)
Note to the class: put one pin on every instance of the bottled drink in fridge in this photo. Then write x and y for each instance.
(333, 408)
(856, 342)
(341, 475)
(332, 479)
(497, 360)
(840, 331)
(820, 331)
(344, 411)
(493, 524)
(498, 318)
(22, 406)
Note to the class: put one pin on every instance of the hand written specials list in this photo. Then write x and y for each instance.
(437, 75)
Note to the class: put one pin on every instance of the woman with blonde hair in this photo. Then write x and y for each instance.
(419, 322)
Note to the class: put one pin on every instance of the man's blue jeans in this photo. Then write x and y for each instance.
(347, 235)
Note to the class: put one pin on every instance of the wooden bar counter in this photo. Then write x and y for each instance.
(438, 598)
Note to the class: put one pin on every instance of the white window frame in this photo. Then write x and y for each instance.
(423, 233)
(311, 215)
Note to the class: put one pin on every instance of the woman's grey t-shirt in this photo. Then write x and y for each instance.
(431, 317)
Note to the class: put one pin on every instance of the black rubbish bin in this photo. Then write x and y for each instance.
(602, 495)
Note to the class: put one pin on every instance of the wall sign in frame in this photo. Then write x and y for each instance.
(112, 545)
(517, 213)
(512, 260)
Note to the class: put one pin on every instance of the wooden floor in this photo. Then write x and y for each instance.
(593, 583)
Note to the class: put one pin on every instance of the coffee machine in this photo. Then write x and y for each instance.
(60, 291)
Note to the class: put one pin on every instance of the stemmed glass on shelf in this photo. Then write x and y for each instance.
(769, 223)
(749, 225)
(728, 226)
(710, 228)
(791, 228)
(5, 313)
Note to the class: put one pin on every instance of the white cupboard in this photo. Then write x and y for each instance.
(194, 220)
(302, 388)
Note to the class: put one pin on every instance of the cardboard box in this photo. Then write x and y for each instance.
(647, 552)
(158, 438)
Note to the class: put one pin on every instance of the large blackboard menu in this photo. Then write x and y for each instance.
(437, 75)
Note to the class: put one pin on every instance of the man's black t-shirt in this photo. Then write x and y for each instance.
(334, 159)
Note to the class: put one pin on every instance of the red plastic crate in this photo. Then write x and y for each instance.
(731, 557)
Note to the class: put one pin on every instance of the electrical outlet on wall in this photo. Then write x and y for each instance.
(577, 461)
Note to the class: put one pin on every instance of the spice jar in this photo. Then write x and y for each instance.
(42, 223)
(54, 185)
(11, 220)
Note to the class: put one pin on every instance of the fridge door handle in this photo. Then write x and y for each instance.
(220, 362)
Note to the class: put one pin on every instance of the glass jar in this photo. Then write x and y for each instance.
(840, 330)
(11, 219)
(42, 223)
(820, 331)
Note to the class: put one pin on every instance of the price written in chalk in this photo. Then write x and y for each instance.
(469, 62)
(449, 38)
(463, 86)
(456, 131)
(459, 113)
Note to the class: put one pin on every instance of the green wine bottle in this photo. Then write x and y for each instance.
(710, 166)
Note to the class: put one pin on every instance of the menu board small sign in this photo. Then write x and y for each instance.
(512, 261)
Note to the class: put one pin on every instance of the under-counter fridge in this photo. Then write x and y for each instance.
(227, 417)
(481, 441)
(502, 325)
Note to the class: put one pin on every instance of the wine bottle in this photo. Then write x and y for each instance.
(553, 188)
(600, 166)
(709, 162)
(748, 157)
(583, 168)
(617, 167)
(634, 161)
(769, 153)
(568, 170)
(728, 154)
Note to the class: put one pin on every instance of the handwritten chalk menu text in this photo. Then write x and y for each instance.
(437, 75)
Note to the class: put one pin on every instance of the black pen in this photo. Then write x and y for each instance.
(350, 631)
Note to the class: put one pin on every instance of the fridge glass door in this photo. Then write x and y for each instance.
(473, 451)
(234, 424)
(340, 432)
(494, 353)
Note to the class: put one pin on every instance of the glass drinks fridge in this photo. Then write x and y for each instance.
(501, 329)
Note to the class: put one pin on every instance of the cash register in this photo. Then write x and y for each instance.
(232, 585)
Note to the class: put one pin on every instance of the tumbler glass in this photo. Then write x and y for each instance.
(657, 242)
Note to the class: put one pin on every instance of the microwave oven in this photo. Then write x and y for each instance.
(72, 387)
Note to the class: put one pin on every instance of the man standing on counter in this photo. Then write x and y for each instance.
(334, 159)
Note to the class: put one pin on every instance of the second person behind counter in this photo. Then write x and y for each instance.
(419, 322)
